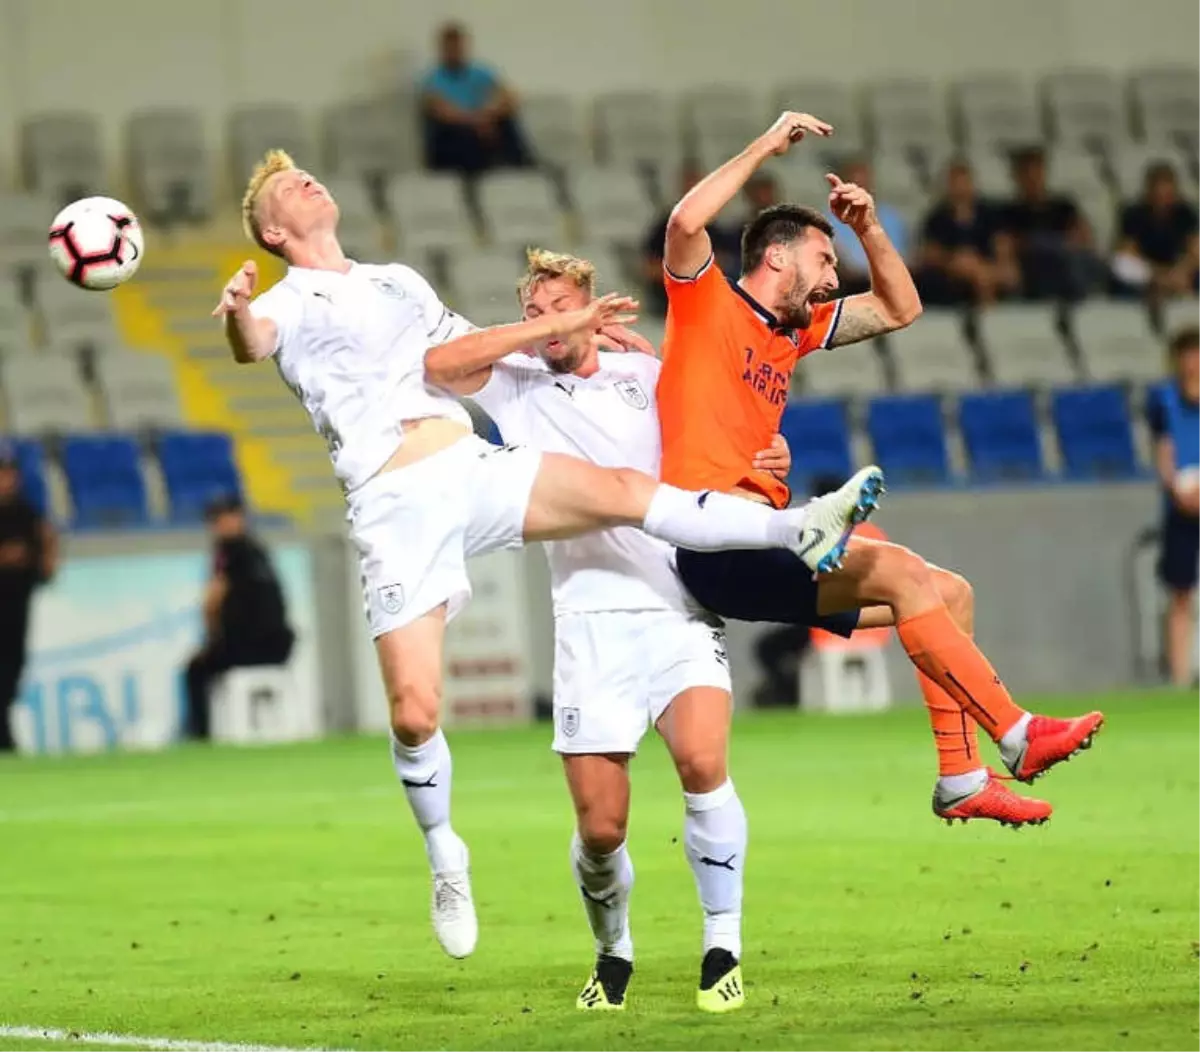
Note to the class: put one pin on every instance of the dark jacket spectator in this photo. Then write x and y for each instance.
(964, 255)
(28, 557)
(470, 115)
(1158, 248)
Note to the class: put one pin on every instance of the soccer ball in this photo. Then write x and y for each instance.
(96, 243)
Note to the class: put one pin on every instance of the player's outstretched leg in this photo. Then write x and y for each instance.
(831, 519)
(411, 660)
(603, 871)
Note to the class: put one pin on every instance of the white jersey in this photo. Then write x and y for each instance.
(352, 347)
(611, 419)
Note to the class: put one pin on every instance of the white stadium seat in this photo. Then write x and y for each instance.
(1116, 342)
(431, 213)
(996, 110)
(1180, 312)
(555, 131)
(720, 121)
(1167, 103)
(371, 139)
(485, 285)
(1085, 107)
(831, 102)
(856, 369)
(62, 156)
(636, 129)
(933, 355)
(140, 390)
(519, 208)
(45, 395)
(169, 164)
(73, 318)
(1024, 346)
(612, 204)
(907, 114)
(253, 130)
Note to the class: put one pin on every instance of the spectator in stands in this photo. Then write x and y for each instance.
(245, 620)
(1173, 411)
(1054, 243)
(853, 274)
(964, 256)
(726, 240)
(470, 115)
(28, 556)
(1158, 249)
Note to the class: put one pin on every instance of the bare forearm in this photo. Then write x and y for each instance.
(891, 280)
(704, 201)
(464, 364)
(250, 339)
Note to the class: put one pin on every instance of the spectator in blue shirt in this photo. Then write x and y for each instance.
(853, 273)
(1173, 412)
(470, 116)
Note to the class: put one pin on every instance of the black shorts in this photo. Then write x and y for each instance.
(1180, 553)
(769, 584)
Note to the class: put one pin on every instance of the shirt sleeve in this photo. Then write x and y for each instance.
(285, 307)
(441, 323)
(820, 332)
(692, 299)
(504, 387)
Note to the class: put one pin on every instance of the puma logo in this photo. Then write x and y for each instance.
(408, 783)
(717, 863)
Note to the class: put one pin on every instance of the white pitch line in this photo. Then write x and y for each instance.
(167, 1044)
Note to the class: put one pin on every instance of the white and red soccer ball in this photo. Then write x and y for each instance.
(96, 243)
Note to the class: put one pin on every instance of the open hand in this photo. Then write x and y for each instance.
(609, 310)
(776, 459)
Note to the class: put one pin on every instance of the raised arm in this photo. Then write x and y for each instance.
(250, 339)
(464, 365)
(893, 302)
(688, 246)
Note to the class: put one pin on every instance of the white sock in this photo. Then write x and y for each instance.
(1013, 740)
(714, 839)
(605, 882)
(710, 521)
(961, 784)
(424, 771)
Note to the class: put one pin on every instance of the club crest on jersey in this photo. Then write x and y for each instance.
(632, 394)
(391, 598)
(569, 721)
(389, 287)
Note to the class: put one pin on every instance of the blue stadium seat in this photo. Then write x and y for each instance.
(104, 477)
(197, 468)
(1094, 433)
(819, 438)
(909, 439)
(32, 462)
(1001, 435)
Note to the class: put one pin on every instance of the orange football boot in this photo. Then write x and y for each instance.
(1049, 741)
(993, 800)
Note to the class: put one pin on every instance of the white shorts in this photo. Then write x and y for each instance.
(415, 527)
(616, 672)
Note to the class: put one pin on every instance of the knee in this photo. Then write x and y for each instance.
(600, 833)
(414, 709)
(702, 772)
(908, 576)
(959, 597)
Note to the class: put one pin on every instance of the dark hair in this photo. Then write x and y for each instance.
(778, 225)
(1156, 170)
(1026, 155)
(1186, 339)
(223, 505)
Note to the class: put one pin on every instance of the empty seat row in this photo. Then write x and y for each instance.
(1000, 430)
(106, 482)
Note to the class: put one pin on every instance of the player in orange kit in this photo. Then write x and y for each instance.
(728, 357)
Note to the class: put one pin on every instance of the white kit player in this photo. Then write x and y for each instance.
(632, 649)
(423, 492)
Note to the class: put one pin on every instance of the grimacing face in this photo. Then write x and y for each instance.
(293, 204)
(558, 296)
(809, 267)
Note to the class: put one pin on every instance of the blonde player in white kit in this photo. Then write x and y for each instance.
(423, 492)
(632, 649)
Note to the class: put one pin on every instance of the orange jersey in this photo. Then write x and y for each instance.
(727, 365)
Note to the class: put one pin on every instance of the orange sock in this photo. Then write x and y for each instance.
(947, 655)
(954, 732)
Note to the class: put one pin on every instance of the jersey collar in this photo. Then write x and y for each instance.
(765, 316)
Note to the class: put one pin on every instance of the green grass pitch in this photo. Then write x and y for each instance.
(280, 896)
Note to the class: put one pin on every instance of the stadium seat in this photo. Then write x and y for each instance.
(1024, 347)
(996, 111)
(431, 213)
(369, 140)
(62, 157)
(1166, 103)
(819, 437)
(637, 129)
(14, 320)
(992, 172)
(253, 130)
(554, 130)
(898, 181)
(1000, 431)
(140, 391)
(1085, 107)
(359, 228)
(31, 460)
(832, 102)
(908, 115)
(909, 438)
(169, 164)
(104, 478)
(1073, 170)
(519, 208)
(1178, 313)
(24, 220)
(1094, 433)
(73, 318)
(610, 275)
(854, 370)
(197, 468)
(1116, 342)
(485, 285)
(933, 355)
(45, 395)
(612, 205)
(720, 121)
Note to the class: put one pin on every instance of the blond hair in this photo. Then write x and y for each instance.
(543, 265)
(273, 162)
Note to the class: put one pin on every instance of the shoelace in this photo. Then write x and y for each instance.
(449, 895)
